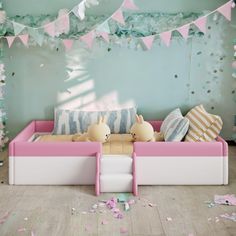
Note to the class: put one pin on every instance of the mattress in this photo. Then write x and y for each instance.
(118, 144)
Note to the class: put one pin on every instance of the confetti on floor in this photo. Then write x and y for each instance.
(152, 204)
(123, 230)
(228, 199)
(87, 228)
(4, 217)
(168, 218)
(21, 230)
(104, 222)
(229, 217)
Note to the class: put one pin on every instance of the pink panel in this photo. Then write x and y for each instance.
(156, 124)
(44, 125)
(57, 149)
(225, 146)
(97, 182)
(135, 186)
(178, 149)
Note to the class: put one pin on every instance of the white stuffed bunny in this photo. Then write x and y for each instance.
(98, 132)
(142, 131)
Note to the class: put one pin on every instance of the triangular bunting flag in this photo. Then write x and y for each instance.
(24, 39)
(166, 37)
(50, 29)
(148, 41)
(10, 40)
(183, 30)
(68, 43)
(104, 27)
(201, 24)
(129, 4)
(81, 10)
(118, 16)
(63, 24)
(225, 10)
(36, 35)
(88, 39)
(105, 36)
(18, 28)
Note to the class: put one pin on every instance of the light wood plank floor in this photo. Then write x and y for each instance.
(47, 210)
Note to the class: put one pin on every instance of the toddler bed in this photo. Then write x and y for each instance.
(117, 166)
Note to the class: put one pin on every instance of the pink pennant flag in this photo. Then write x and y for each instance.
(50, 29)
(225, 10)
(68, 43)
(63, 24)
(24, 39)
(105, 36)
(10, 40)
(88, 38)
(129, 4)
(118, 16)
(166, 37)
(201, 24)
(148, 41)
(183, 30)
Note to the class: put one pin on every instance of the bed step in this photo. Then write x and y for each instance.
(116, 165)
(116, 183)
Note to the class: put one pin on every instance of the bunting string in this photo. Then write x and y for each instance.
(102, 30)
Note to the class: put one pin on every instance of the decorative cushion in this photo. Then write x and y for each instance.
(77, 121)
(203, 126)
(175, 126)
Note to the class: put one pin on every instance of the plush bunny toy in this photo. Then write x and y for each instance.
(142, 131)
(98, 132)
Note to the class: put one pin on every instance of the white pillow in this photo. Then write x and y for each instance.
(174, 126)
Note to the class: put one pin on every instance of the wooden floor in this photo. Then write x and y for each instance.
(47, 210)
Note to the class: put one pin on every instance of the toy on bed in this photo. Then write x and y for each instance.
(143, 131)
(98, 132)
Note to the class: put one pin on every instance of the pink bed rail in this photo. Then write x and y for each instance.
(20, 146)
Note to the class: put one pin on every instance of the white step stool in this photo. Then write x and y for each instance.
(116, 173)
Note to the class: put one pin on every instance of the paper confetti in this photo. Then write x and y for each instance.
(21, 230)
(210, 204)
(111, 203)
(4, 217)
(126, 206)
(104, 222)
(168, 218)
(123, 230)
(131, 201)
(122, 197)
(229, 217)
(87, 228)
(119, 215)
(228, 199)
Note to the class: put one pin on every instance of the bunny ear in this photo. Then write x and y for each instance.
(104, 119)
(137, 118)
(141, 119)
(99, 120)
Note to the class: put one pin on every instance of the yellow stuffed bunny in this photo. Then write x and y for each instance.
(142, 131)
(98, 132)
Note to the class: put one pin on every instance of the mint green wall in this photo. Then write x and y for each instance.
(122, 75)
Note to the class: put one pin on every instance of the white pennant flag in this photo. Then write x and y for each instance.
(18, 28)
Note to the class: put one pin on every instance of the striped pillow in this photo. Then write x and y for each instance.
(77, 121)
(175, 126)
(203, 126)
